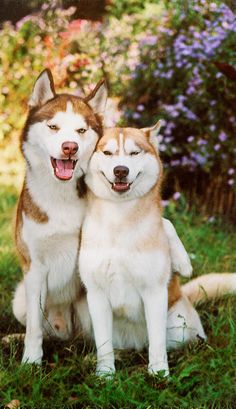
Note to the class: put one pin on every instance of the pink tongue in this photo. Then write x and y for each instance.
(64, 169)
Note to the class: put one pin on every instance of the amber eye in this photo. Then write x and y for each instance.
(53, 127)
(81, 130)
(107, 153)
(134, 153)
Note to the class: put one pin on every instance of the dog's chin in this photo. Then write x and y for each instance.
(64, 169)
(119, 189)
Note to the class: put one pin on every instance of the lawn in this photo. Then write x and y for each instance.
(202, 375)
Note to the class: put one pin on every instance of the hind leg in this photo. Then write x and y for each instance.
(57, 321)
(183, 324)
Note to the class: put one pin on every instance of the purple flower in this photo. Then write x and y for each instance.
(149, 40)
(212, 128)
(175, 162)
(231, 171)
(190, 115)
(230, 182)
(140, 107)
(217, 147)
(136, 115)
(201, 142)
(165, 203)
(222, 136)
(200, 159)
(190, 139)
(176, 195)
(190, 90)
(181, 98)
(156, 73)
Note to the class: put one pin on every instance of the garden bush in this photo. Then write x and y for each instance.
(159, 58)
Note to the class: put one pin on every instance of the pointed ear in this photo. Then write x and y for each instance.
(152, 133)
(43, 89)
(98, 97)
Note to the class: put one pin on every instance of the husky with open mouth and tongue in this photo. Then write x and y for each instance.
(60, 135)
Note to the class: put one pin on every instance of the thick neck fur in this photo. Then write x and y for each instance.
(131, 211)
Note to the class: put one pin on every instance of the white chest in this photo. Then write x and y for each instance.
(110, 259)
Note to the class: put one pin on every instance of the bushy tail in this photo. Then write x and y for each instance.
(210, 286)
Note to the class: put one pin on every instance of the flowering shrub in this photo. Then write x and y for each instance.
(176, 78)
(159, 61)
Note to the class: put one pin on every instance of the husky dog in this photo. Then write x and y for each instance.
(59, 137)
(124, 258)
(126, 265)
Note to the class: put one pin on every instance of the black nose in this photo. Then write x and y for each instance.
(121, 171)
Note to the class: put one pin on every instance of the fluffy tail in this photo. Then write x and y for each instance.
(210, 286)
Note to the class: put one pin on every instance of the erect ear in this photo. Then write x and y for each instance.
(152, 133)
(98, 97)
(43, 89)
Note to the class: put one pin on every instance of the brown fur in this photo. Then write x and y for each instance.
(59, 103)
(26, 205)
(174, 290)
(149, 204)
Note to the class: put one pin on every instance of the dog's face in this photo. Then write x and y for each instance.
(61, 131)
(125, 164)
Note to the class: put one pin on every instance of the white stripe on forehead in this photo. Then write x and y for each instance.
(131, 146)
(111, 145)
(69, 107)
(121, 144)
(69, 118)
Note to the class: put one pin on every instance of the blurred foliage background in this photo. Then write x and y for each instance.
(161, 59)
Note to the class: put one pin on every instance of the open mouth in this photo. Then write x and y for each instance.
(120, 187)
(63, 168)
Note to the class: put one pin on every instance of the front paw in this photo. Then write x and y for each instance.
(183, 267)
(105, 369)
(160, 368)
(32, 356)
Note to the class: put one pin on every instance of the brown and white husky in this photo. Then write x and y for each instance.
(59, 137)
(124, 258)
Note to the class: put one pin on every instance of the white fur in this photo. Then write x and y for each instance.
(43, 142)
(143, 172)
(121, 280)
(52, 280)
(209, 286)
(180, 261)
(53, 249)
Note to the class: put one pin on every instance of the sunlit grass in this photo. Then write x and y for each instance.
(202, 376)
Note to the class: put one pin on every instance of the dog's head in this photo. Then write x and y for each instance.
(125, 164)
(62, 130)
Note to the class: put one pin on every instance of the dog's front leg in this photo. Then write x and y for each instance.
(180, 261)
(155, 306)
(101, 315)
(35, 290)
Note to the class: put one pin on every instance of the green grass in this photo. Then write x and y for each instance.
(202, 375)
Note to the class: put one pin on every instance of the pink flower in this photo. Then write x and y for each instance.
(176, 195)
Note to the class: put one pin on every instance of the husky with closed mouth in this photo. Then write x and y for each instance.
(59, 137)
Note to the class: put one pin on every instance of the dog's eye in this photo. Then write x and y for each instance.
(81, 130)
(53, 127)
(134, 153)
(107, 153)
